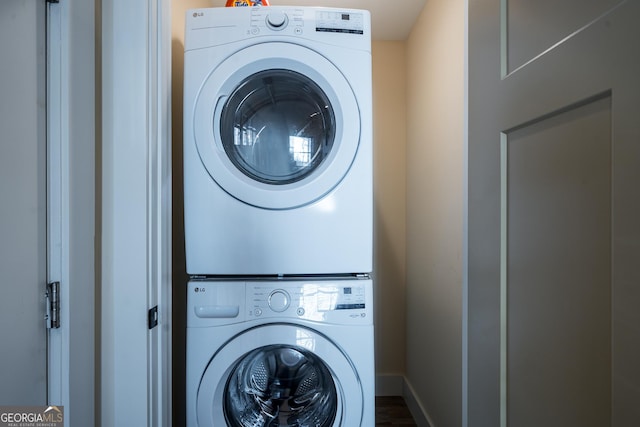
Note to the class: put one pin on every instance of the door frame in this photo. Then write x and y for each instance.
(136, 213)
(94, 156)
(71, 206)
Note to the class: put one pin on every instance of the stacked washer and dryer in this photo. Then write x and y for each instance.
(278, 217)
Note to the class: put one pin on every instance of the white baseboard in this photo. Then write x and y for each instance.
(420, 415)
(397, 385)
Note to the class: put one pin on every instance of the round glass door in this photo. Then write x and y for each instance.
(279, 375)
(277, 126)
(280, 385)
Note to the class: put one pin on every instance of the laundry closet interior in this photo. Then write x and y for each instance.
(504, 168)
(399, 54)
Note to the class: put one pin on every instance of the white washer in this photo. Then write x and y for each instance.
(280, 353)
(277, 141)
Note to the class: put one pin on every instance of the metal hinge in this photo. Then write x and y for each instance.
(152, 317)
(53, 305)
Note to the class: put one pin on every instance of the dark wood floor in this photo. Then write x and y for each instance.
(393, 411)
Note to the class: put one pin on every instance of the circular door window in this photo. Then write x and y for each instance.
(280, 375)
(276, 125)
(280, 385)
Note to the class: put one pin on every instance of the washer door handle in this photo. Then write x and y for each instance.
(217, 311)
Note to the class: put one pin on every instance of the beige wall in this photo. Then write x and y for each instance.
(389, 130)
(435, 102)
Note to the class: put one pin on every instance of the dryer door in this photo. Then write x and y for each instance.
(276, 125)
(280, 375)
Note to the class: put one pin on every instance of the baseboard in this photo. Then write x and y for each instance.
(420, 415)
(397, 385)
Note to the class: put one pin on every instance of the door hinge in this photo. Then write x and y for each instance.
(153, 317)
(53, 305)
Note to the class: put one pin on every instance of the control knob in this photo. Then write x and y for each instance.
(279, 300)
(277, 20)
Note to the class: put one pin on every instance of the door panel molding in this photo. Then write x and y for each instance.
(556, 184)
(518, 46)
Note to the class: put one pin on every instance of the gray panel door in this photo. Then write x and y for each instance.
(22, 202)
(554, 208)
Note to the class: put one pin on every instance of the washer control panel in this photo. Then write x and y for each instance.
(333, 301)
(340, 302)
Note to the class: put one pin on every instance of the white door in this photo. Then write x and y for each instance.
(554, 208)
(23, 267)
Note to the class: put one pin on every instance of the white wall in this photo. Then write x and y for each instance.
(435, 105)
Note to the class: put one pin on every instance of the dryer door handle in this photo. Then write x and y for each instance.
(217, 311)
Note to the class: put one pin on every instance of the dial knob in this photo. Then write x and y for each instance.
(277, 20)
(279, 300)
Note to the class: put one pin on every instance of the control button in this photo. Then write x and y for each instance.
(257, 312)
(277, 20)
(279, 300)
(255, 31)
(300, 311)
(298, 31)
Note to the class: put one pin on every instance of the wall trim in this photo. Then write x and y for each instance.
(398, 385)
(418, 411)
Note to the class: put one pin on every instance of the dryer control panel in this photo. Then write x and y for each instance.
(331, 21)
(346, 28)
(301, 20)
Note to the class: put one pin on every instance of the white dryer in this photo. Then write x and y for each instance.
(277, 141)
(280, 353)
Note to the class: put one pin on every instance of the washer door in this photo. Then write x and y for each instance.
(276, 125)
(280, 375)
